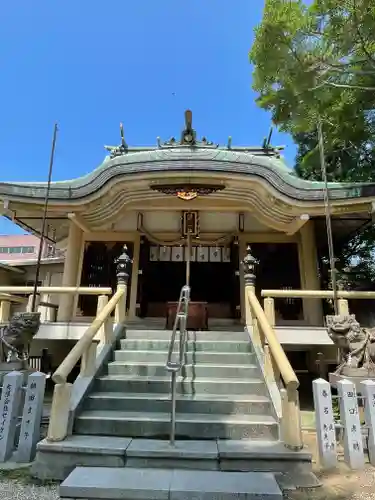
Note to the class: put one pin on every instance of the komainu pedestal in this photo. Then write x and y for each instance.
(357, 349)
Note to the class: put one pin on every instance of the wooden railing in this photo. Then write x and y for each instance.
(8, 295)
(343, 298)
(277, 368)
(276, 361)
(86, 351)
(6, 301)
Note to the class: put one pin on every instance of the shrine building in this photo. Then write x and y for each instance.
(219, 197)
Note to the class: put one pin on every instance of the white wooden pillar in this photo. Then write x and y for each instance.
(134, 279)
(312, 308)
(71, 267)
(79, 273)
(241, 254)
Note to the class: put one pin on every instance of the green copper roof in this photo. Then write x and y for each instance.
(188, 160)
(190, 156)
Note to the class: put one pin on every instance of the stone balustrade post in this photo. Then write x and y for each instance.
(106, 330)
(47, 314)
(269, 310)
(291, 429)
(29, 307)
(5, 306)
(88, 361)
(59, 418)
(271, 370)
(123, 263)
(343, 307)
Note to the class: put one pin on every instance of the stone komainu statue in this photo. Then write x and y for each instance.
(357, 345)
(15, 338)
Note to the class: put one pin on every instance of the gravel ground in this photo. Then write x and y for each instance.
(11, 489)
(16, 484)
(340, 485)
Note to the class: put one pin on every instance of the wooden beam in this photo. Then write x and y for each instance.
(79, 222)
(6, 211)
(297, 223)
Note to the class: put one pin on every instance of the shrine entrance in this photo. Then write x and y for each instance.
(99, 270)
(278, 268)
(214, 279)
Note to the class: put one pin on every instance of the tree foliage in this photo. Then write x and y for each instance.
(316, 62)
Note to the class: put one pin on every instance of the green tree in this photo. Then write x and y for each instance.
(317, 62)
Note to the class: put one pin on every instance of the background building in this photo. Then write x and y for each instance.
(23, 247)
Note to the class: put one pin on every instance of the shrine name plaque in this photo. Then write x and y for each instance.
(197, 317)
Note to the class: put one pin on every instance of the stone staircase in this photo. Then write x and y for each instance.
(227, 430)
(220, 394)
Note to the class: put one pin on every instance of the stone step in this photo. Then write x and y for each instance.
(226, 334)
(57, 459)
(197, 403)
(225, 328)
(162, 484)
(191, 346)
(218, 358)
(136, 383)
(146, 324)
(189, 370)
(188, 426)
(246, 455)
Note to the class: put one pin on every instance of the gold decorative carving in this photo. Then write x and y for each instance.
(187, 195)
(186, 192)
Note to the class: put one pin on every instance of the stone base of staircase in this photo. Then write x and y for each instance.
(165, 484)
(227, 428)
(56, 460)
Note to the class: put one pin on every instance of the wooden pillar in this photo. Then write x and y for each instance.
(134, 280)
(79, 273)
(241, 255)
(71, 269)
(312, 308)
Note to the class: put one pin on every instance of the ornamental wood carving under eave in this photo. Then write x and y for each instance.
(273, 201)
(350, 209)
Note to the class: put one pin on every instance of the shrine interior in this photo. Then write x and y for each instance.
(214, 276)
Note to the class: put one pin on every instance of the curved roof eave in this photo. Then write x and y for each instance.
(189, 160)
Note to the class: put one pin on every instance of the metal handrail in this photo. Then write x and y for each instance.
(172, 366)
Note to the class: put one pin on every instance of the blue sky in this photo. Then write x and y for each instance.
(90, 64)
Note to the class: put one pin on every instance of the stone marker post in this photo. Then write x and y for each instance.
(9, 411)
(31, 417)
(349, 416)
(325, 423)
(368, 393)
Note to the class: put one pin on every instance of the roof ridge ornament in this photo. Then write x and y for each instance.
(188, 137)
(120, 150)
